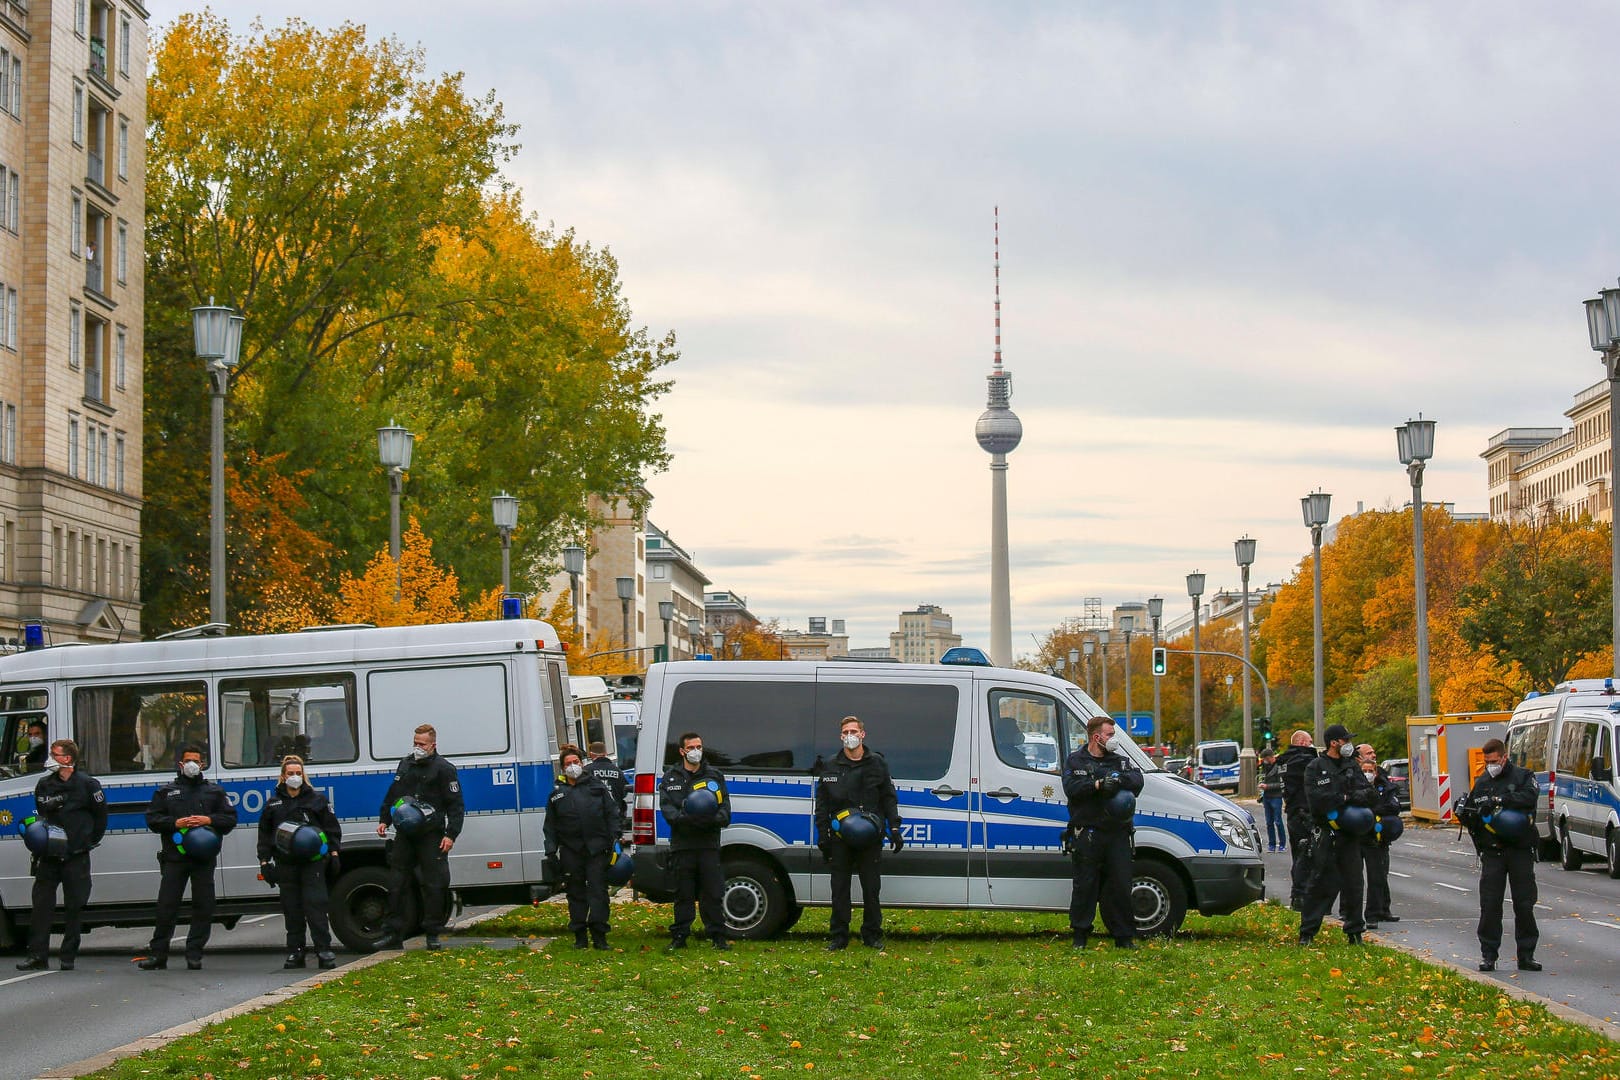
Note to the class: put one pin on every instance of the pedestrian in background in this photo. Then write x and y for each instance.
(582, 825)
(1100, 828)
(1271, 798)
(72, 800)
(189, 801)
(857, 781)
(1297, 811)
(1505, 861)
(301, 879)
(694, 841)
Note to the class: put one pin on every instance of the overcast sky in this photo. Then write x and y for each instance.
(1240, 243)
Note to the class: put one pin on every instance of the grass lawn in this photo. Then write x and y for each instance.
(956, 995)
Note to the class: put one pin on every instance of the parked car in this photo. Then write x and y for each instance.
(1400, 774)
(1177, 765)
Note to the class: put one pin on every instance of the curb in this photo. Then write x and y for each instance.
(291, 990)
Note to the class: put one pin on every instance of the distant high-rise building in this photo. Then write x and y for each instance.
(924, 635)
(999, 432)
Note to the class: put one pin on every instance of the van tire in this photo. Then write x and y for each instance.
(1158, 899)
(755, 901)
(359, 908)
(1568, 857)
(1613, 848)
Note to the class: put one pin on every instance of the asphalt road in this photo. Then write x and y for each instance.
(59, 1017)
(1434, 888)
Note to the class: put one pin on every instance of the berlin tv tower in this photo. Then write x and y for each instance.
(999, 433)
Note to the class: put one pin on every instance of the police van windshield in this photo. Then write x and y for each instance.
(1121, 742)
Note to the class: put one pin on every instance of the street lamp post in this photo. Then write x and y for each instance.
(736, 650)
(394, 445)
(1246, 770)
(504, 509)
(574, 564)
(1414, 441)
(1074, 666)
(666, 612)
(626, 588)
(1127, 623)
(1156, 612)
(1315, 509)
(694, 627)
(1603, 324)
(217, 337)
(717, 644)
(1195, 589)
(1102, 654)
(1088, 646)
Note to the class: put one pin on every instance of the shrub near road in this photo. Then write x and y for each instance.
(956, 994)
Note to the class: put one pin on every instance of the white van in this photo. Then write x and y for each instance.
(1585, 795)
(1215, 764)
(983, 818)
(348, 700)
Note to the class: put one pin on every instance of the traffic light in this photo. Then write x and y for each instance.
(1267, 736)
(1159, 657)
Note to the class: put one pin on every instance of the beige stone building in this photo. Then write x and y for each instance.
(1563, 471)
(672, 575)
(924, 635)
(821, 641)
(72, 223)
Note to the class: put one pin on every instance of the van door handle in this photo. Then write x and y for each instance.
(1004, 793)
(945, 791)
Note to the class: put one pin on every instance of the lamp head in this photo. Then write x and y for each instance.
(573, 559)
(1074, 657)
(666, 610)
(1314, 508)
(625, 587)
(1245, 551)
(1597, 324)
(394, 445)
(1155, 607)
(1195, 585)
(694, 627)
(1127, 623)
(504, 509)
(210, 331)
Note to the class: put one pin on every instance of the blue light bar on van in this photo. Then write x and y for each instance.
(1608, 686)
(511, 607)
(965, 654)
(33, 635)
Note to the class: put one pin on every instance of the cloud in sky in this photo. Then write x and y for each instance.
(1240, 244)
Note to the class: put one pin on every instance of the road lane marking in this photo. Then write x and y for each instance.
(258, 919)
(1592, 922)
(25, 978)
(1460, 851)
(1453, 888)
(1397, 873)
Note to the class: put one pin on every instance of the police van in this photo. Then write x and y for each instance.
(1569, 737)
(1216, 764)
(345, 699)
(983, 817)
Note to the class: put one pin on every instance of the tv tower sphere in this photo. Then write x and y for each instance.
(998, 430)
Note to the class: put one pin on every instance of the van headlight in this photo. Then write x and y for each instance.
(1233, 830)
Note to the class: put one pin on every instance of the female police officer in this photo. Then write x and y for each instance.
(300, 865)
(582, 822)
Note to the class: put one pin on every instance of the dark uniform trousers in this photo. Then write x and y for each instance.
(1300, 861)
(1375, 860)
(1335, 870)
(304, 900)
(174, 875)
(73, 875)
(700, 887)
(416, 861)
(1102, 871)
(1513, 867)
(585, 880)
(847, 864)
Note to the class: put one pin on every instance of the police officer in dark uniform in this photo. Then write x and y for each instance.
(189, 801)
(1100, 835)
(1333, 782)
(582, 824)
(857, 779)
(423, 856)
(301, 879)
(1374, 849)
(607, 770)
(1297, 814)
(70, 799)
(37, 754)
(694, 844)
(1504, 863)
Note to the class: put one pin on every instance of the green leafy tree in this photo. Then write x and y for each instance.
(1376, 707)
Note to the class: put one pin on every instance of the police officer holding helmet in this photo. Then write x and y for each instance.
(1101, 786)
(582, 825)
(425, 806)
(1341, 802)
(856, 805)
(299, 838)
(189, 802)
(1499, 812)
(68, 799)
(692, 797)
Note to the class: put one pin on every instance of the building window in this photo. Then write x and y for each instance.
(121, 255)
(8, 443)
(118, 461)
(5, 80)
(75, 343)
(11, 318)
(78, 113)
(76, 224)
(13, 201)
(123, 148)
(73, 444)
(123, 44)
(120, 348)
(81, 16)
(16, 86)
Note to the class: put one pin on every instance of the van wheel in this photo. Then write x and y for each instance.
(359, 908)
(793, 913)
(1569, 858)
(1614, 854)
(755, 903)
(1158, 899)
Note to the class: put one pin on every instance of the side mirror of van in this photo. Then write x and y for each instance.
(1601, 772)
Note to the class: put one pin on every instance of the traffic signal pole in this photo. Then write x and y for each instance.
(1246, 768)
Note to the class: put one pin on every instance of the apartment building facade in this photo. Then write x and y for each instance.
(1553, 470)
(924, 635)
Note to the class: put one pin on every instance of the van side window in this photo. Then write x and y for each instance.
(1527, 746)
(466, 705)
(1575, 744)
(557, 701)
(913, 725)
(1603, 758)
(139, 727)
(20, 710)
(264, 720)
(749, 725)
(1026, 730)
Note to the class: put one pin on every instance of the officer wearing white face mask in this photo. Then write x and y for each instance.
(428, 782)
(692, 797)
(582, 822)
(857, 781)
(190, 801)
(37, 755)
(301, 873)
(1505, 862)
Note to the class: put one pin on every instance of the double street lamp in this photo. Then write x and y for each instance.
(1245, 558)
(217, 339)
(1102, 652)
(1088, 646)
(666, 612)
(1074, 666)
(1195, 589)
(1127, 623)
(504, 509)
(1603, 324)
(1414, 441)
(626, 588)
(574, 565)
(1314, 507)
(1156, 612)
(394, 445)
(694, 627)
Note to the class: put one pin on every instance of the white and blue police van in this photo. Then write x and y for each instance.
(1216, 764)
(1569, 739)
(983, 817)
(347, 700)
